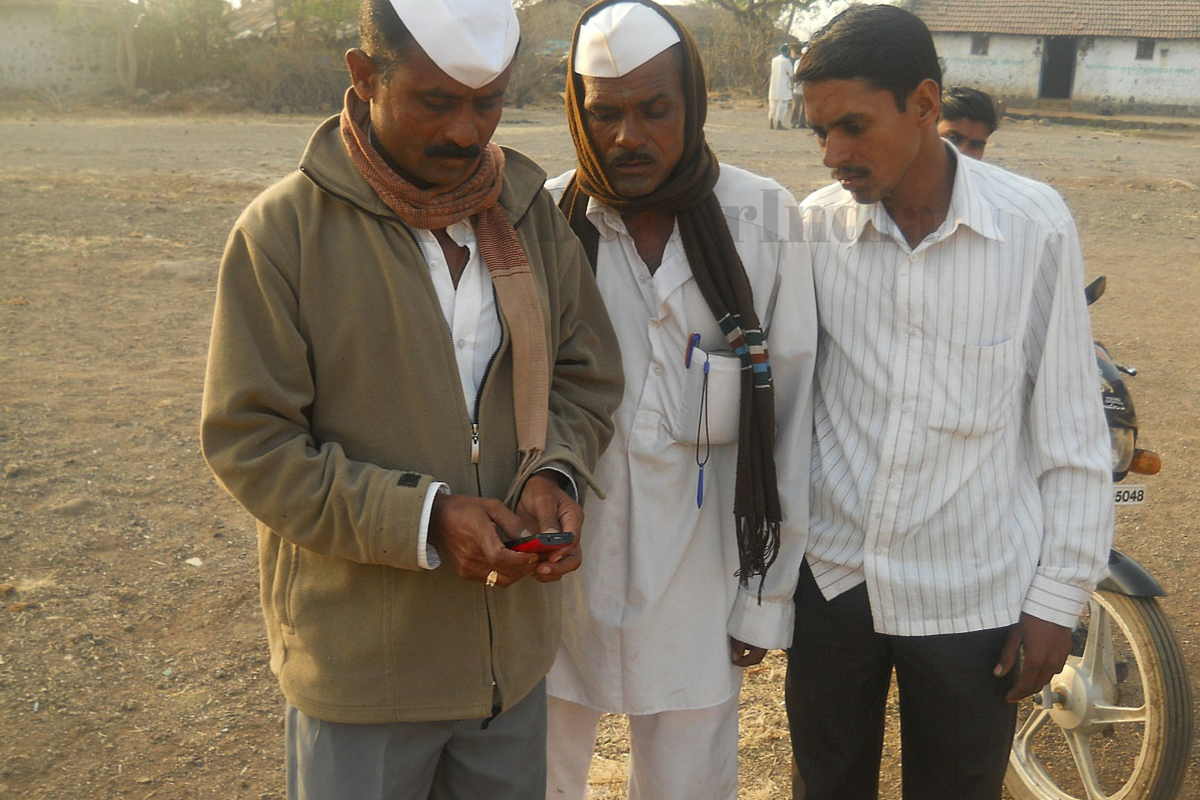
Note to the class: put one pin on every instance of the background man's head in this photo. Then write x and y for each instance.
(872, 86)
(434, 73)
(968, 118)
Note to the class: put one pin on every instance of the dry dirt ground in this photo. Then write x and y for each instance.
(132, 661)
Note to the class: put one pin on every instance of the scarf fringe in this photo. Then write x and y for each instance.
(758, 547)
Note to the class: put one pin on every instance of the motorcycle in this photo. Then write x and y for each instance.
(1116, 723)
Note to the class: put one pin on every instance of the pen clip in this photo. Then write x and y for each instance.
(693, 340)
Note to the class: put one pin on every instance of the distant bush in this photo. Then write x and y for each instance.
(288, 55)
(276, 78)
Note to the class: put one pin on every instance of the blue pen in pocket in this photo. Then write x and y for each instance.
(702, 420)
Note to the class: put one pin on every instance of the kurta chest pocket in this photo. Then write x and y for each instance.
(707, 411)
(974, 388)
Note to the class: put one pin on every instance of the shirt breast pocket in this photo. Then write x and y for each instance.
(974, 388)
(709, 414)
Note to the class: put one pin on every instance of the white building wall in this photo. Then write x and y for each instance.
(1108, 72)
(1011, 68)
(48, 50)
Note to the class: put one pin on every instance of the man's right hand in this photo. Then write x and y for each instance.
(462, 529)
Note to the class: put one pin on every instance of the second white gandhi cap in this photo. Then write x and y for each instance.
(619, 38)
(472, 41)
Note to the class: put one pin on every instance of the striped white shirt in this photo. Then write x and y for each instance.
(961, 465)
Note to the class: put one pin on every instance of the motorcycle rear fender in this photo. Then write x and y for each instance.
(1128, 577)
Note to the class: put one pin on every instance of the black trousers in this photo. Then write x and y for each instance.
(956, 728)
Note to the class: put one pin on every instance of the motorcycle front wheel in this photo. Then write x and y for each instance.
(1119, 725)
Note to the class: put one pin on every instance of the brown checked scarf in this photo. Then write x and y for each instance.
(719, 274)
(478, 199)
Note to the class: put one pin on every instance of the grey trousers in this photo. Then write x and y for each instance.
(452, 760)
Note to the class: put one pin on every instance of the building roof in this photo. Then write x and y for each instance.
(1143, 19)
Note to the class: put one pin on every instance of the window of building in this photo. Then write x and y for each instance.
(1145, 49)
(979, 45)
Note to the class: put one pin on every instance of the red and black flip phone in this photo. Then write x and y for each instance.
(541, 542)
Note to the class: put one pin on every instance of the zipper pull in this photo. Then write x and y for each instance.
(474, 443)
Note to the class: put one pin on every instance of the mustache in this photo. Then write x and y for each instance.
(450, 150)
(845, 173)
(631, 157)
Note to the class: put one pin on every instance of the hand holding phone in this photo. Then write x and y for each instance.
(542, 542)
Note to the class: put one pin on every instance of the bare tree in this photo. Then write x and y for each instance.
(764, 15)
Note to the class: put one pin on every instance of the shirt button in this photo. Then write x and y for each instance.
(643, 278)
(912, 331)
(462, 343)
(658, 371)
(906, 408)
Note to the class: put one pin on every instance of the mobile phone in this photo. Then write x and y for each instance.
(541, 542)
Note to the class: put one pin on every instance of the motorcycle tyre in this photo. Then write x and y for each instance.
(1161, 766)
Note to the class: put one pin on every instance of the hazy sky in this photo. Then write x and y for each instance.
(821, 12)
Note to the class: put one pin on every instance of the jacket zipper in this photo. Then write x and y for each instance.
(474, 420)
(487, 370)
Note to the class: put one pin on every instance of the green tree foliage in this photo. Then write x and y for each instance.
(182, 42)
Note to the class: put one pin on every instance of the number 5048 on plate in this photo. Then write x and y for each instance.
(1132, 495)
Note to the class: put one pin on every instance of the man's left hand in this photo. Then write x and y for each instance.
(745, 655)
(545, 507)
(1045, 647)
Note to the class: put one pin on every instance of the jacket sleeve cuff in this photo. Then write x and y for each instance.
(567, 483)
(427, 556)
(768, 625)
(1055, 602)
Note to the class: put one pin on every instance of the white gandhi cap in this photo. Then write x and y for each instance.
(472, 41)
(619, 38)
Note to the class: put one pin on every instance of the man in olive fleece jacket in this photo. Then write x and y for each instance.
(359, 403)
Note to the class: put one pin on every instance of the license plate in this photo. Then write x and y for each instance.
(1132, 495)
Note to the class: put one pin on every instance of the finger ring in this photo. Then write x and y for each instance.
(492, 577)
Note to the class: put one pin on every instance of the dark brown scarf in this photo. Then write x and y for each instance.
(516, 291)
(719, 274)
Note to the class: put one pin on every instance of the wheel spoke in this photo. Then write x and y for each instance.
(1105, 715)
(1098, 651)
(1029, 728)
(1083, 762)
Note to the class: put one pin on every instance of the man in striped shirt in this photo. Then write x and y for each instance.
(962, 501)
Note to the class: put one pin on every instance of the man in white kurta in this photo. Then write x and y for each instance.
(779, 92)
(657, 617)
